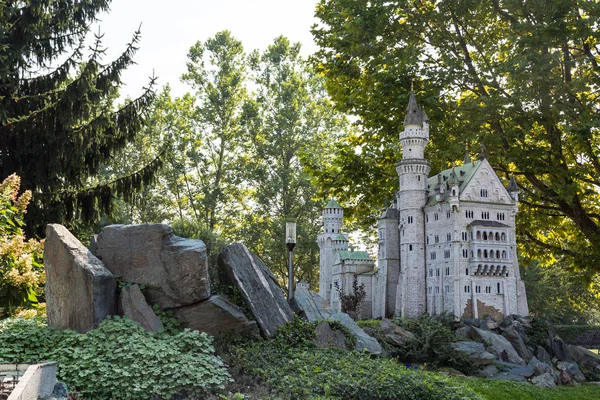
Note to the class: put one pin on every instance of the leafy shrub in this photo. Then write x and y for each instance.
(432, 343)
(336, 374)
(119, 359)
(351, 302)
(539, 331)
(568, 333)
(369, 323)
(21, 269)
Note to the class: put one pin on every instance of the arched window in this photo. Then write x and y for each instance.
(478, 235)
(485, 254)
(498, 286)
(485, 236)
(410, 247)
(503, 236)
(467, 271)
(503, 254)
(497, 236)
(497, 253)
(491, 236)
(479, 253)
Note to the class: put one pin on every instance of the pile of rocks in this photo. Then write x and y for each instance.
(503, 351)
(152, 266)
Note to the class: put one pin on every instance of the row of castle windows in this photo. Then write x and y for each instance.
(485, 215)
(333, 211)
(488, 289)
(437, 271)
(491, 254)
(498, 236)
(490, 270)
(437, 289)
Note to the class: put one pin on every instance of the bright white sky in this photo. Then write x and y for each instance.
(170, 28)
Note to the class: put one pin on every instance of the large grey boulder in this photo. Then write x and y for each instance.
(258, 286)
(572, 369)
(309, 305)
(475, 351)
(539, 367)
(543, 355)
(327, 337)
(173, 269)
(584, 357)
(526, 371)
(364, 342)
(133, 305)
(558, 348)
(80, 290)
(518, 341)
(216, 316)
(500, 346)
(395, 335)
(544, 380)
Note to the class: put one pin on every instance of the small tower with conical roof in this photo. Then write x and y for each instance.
(413, 171)
(330, 241)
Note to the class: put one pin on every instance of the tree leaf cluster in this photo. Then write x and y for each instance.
(58, 124)
(520, 77)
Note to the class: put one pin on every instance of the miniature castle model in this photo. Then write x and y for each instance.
(446, 243)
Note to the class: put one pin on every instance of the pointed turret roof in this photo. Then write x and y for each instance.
(453, 179)
(512, 185)
(333, 204)
(414, 114)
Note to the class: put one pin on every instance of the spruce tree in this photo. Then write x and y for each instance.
(58, 124)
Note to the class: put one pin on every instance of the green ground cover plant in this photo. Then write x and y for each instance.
(291, 365)
(572, 332)
(490, 389)
(119, 359)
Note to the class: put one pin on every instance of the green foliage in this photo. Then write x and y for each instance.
(491, 389)
(351, 301)
(539, 331)
(432, 343)
(561, 296)
(119, 359)
(335, 374)
(520, 77)
(63, 115)
(369, 323)
(296, 334)
(22, 274)
(170, 322)
(569, 333)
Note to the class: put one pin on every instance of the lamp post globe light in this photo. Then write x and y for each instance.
(290, 242)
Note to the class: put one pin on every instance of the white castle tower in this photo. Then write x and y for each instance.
(413, 171)
(330, 241)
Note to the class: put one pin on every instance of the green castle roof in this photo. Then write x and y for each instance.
(333, 204)
(340, 237)
(353, 255)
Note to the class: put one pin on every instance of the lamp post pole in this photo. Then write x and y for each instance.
(290, 242)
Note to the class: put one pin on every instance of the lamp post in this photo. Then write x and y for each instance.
(290, 242)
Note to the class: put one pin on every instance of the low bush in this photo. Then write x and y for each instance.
(568, 333)
(432, 344)
(369, 323)
(119, 359)
(291, 365)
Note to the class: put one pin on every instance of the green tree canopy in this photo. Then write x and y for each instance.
(58, 125)
(521, 77)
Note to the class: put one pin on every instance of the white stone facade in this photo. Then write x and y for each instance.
(447, 242)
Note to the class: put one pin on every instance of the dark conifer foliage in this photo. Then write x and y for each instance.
(58, 125)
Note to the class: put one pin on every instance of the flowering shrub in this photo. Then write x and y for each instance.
(21, 269)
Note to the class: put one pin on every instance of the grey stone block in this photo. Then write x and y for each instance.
(80, 290)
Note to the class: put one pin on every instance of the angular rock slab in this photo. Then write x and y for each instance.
(216, 316)
(173, 269)
(309, 305)
(258, 287)
(80, 290)
(584, 357)
(475, 351)
(502, 347)
(327, 337)
(395, 335)
(544, 380)
(133, 305)
(364, 342)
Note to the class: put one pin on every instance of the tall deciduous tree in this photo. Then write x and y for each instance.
(217, 71)
(522, 77)
(291, 124)
(58, 125)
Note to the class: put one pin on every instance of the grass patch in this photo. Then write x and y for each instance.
(491, 389)
(369, 323)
